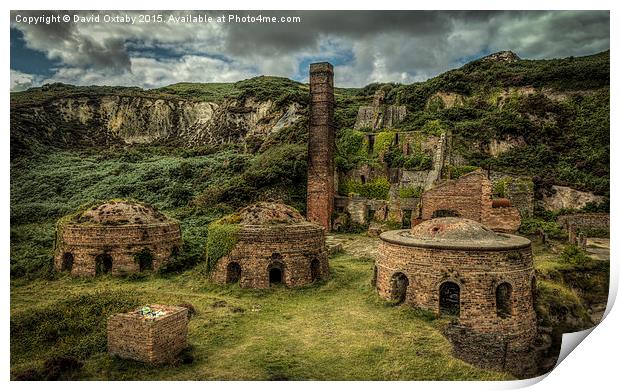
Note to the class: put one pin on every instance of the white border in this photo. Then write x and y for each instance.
(592, 364)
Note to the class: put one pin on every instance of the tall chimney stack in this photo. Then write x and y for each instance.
(321, 190)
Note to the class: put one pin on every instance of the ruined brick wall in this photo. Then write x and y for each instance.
(467, 195)
(585, 220)
(155, 341)
(506, 219)
(358, 208)
(581, 225)
(470, 197)
(476, 272)
(294, 246)
(321, 191)
(86, 242)
(519, 190)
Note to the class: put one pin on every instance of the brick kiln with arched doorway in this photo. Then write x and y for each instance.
(275, 245)
(116, 237)
(458, 267)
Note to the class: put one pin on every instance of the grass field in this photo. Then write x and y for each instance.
(334, 330)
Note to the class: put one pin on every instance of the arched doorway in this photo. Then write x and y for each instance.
(276, 275)
(503, 300)
(144, 259)
(276, 269)
(315, 269)
(449, 299)
(103, 264)
(67, 262)
(233, 273)
(399, 284)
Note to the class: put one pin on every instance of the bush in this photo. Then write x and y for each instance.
(532, 225)
(455, 172)
(377, 188)
(221, 239)
(410, 192)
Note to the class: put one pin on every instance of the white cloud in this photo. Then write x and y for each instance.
(21, 81)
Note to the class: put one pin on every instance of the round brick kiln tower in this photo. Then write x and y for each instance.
(458, 267)
(115, 237)
(274, 245)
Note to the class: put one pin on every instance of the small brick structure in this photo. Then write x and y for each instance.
(116, 237)
(275, 245)
(152, 340)
(458, 267)
(469, 197)
(321, 145)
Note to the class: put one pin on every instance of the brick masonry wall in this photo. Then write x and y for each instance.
(295, 247)
(478, 273)
(465, 195)
(155, 341)
(470, 197)
(85, 243)
(321, 190)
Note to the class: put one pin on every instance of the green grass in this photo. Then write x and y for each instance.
(335, 330)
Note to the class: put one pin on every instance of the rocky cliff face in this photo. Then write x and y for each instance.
(114, 119)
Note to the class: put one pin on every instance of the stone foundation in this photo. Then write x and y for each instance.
(154, 341)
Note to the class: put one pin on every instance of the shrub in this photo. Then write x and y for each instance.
(377, 188)
(573, 255)
(410, 192)
(454, 172)
(532, 225)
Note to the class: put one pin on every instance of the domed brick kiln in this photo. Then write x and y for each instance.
(115, 237)
(269, 243)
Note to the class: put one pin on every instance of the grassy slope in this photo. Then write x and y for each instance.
(337, 330)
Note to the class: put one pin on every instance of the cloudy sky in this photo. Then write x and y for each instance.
(365, 46)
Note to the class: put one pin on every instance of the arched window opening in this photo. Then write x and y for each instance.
(503, 300)
(103, 264)
(67, 262)
(449, 299)
(315, 269)
(400, 283)
(233, 273)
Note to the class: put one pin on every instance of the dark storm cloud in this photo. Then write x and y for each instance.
(64, 42)
(365, 46)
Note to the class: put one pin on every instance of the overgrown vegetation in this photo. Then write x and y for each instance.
(221, 239)
(377, 188)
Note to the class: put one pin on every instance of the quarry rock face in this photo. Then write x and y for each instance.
(379, 115)
(564, 197)
(116, 119)
(505, 56)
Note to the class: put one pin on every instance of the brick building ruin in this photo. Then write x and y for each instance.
(379, 115)
(470, 197)
(580, 226)
(485, 280)
(154, 340)
(116, 237)
(276, 245)
(321, 189)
